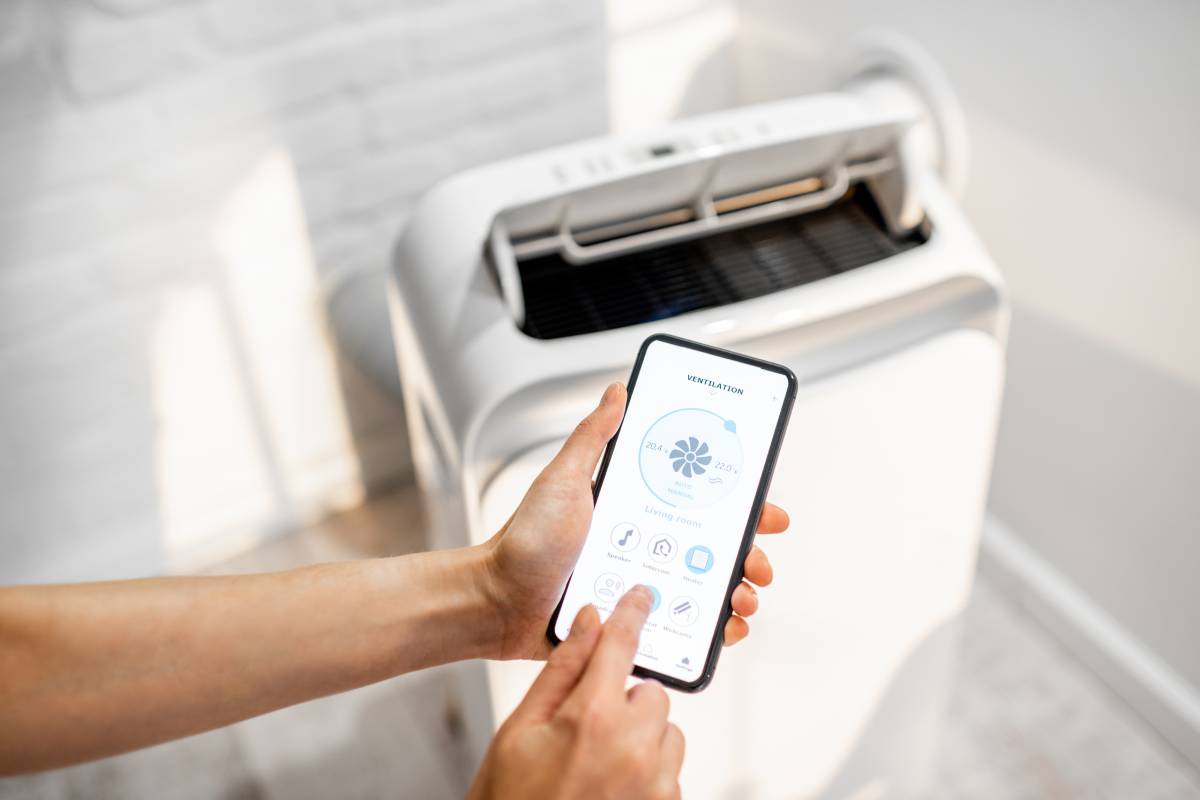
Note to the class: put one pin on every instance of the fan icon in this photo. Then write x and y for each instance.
(690, 457)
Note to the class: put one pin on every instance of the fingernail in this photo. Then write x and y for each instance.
(643, 592)
(608, 393)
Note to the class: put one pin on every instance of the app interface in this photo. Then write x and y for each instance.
(676, 500)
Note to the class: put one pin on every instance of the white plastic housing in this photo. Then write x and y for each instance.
(884, 470)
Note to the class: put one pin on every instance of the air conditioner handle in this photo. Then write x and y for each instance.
(834, 187)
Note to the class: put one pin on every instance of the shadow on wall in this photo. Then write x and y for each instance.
(135, 324)
(76, 475)
(167, 239)
(1103, 478)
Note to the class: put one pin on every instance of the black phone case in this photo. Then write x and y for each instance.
(760, 498)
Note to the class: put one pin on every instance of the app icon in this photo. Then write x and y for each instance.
(610, 587)
(655, 598)
(690, 457)
(699, 559)
(662, 548)
(683, 610)
(626, 537)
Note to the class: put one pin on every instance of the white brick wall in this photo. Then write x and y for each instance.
(176, 177)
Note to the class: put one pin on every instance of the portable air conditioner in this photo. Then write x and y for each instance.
(818, 232)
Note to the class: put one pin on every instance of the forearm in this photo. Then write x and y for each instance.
(89, 670)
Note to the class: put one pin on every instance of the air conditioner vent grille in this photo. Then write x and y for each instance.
(564, 299)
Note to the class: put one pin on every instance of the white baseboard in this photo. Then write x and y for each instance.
(1132, 670)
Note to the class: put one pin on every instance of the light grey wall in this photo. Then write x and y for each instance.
(181, 184)
(198, 199)
(1083, 120)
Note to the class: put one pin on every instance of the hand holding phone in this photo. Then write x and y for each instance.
(679, 494)
(524, 567)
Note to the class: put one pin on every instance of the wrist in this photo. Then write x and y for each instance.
(495, 596)
(471, 606)
(445, 599)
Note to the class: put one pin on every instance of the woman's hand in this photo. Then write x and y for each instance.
(578, 733)
(529, 560)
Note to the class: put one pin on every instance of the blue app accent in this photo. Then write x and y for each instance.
(690, 457)
(699, 559)
(656, 598)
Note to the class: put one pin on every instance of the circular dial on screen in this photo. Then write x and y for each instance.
(691, 458)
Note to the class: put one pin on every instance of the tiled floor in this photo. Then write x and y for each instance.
(1026, 720)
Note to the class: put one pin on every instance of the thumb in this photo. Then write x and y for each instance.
(563, 669)
(583, 447)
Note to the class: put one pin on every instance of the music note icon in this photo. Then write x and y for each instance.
(626, 536)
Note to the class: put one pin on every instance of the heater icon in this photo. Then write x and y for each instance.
(699, 559)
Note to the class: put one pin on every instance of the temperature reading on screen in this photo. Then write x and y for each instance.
(691, 457)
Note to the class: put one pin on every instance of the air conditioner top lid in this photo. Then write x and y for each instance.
(717, 155)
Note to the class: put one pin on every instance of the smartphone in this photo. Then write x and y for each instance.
(678, 497)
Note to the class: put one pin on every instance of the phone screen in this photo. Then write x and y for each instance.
(676, 498)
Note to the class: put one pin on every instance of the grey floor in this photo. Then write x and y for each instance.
(1025, 721)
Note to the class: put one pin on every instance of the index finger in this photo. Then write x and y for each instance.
(612, 660)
